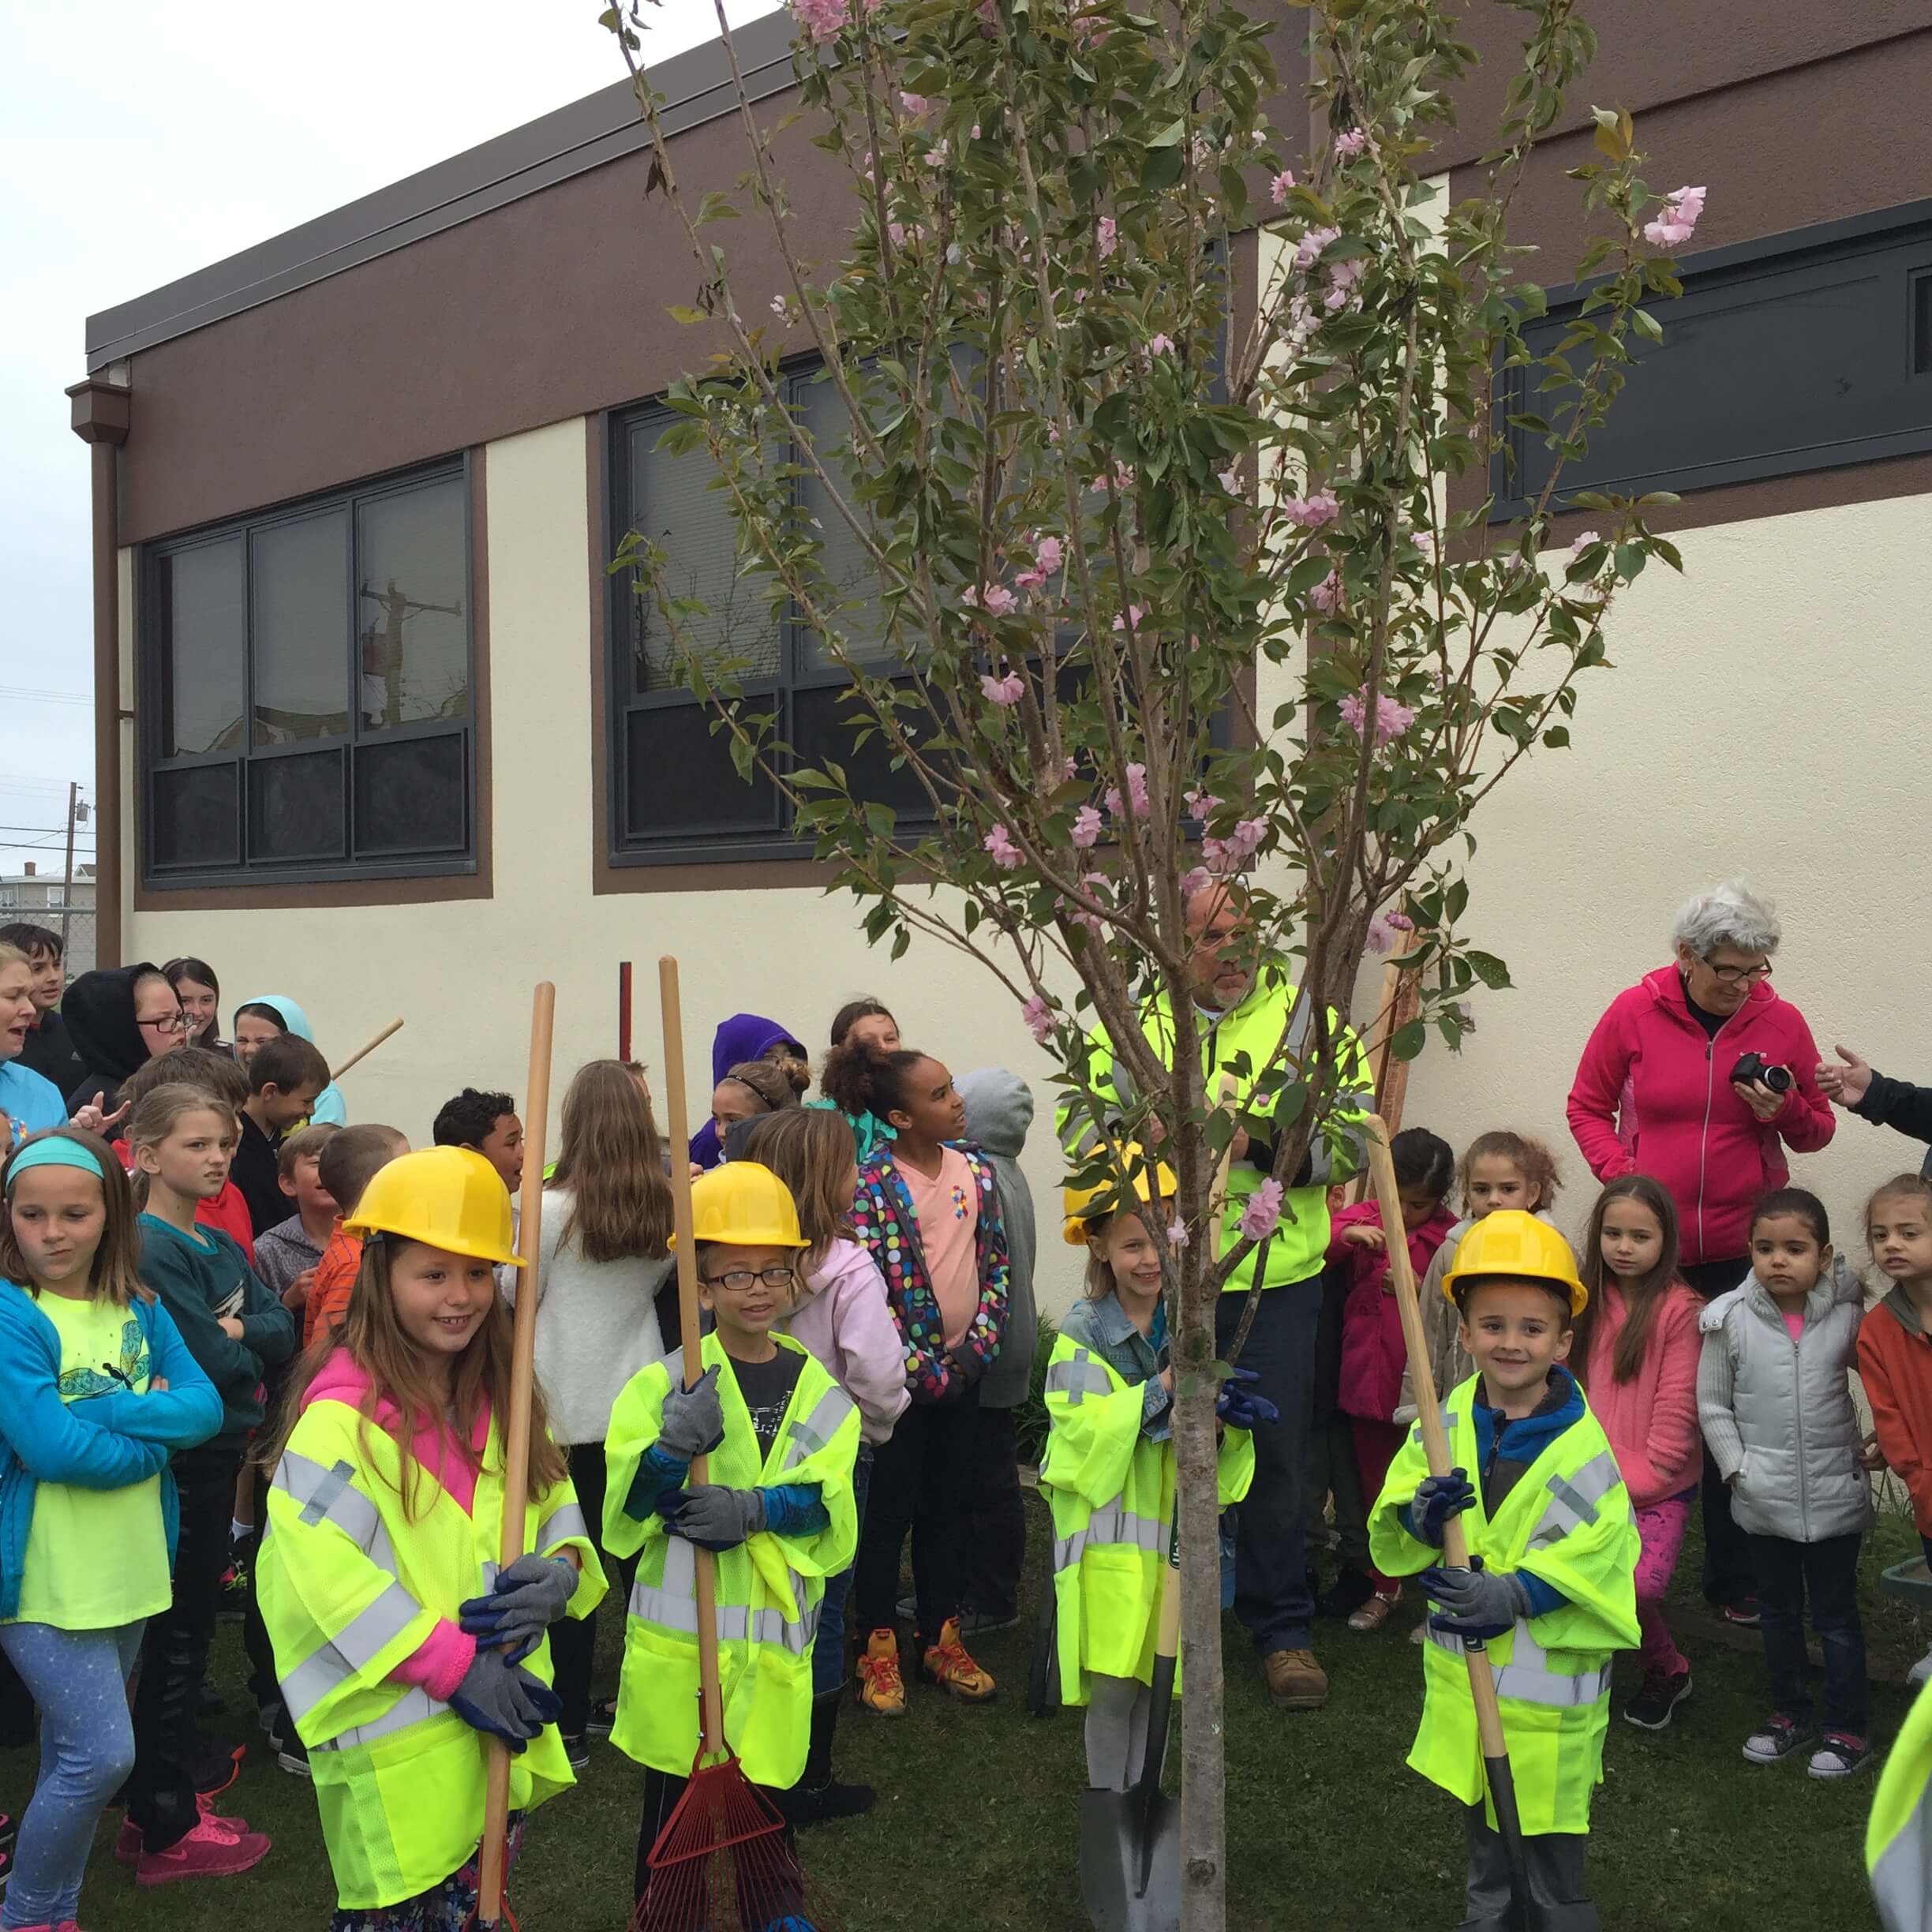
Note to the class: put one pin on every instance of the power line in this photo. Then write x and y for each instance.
(21, 694)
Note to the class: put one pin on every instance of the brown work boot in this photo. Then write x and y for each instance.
(1295, 1681)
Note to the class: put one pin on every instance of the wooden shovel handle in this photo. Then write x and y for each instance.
(367, 1048)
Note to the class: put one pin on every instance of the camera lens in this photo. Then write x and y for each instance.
(1777, 1078)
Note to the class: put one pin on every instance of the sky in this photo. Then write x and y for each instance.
(137, 148)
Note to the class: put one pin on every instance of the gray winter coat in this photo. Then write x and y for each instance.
(999, 1110)
(1777, 1413)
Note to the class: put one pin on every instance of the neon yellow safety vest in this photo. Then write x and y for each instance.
(350, 1587)
(769, 1590)
(1568, 1520)
(1898, 1836)
(1112, 1493)
(1240, 1043)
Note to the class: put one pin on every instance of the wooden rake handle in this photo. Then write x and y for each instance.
(368, 1047)
(1428, 1414)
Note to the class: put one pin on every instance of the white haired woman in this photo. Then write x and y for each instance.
(1657, 1092)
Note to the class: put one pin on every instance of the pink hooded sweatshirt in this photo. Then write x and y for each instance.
(843, 1319)
(1652, 1096)
(1373, 1353)
(1651, 1420)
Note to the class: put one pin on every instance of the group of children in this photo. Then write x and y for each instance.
(307, 1327)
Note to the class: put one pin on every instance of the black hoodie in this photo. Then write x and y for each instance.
(99, 1008)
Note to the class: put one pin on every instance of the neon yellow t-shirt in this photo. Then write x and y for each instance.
(96, 1558)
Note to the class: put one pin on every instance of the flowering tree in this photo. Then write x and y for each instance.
(1145, 581)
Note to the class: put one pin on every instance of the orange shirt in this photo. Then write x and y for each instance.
(327, 1306)
(1895, 1364)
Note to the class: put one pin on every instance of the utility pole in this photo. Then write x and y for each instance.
(73, 797)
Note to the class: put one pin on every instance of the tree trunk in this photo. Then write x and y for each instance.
(1203, 1764)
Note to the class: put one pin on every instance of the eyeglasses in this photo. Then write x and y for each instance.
(1740, 976)
(739, 1280)
(174, 1023)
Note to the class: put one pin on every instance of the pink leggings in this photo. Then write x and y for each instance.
(1661, 1527)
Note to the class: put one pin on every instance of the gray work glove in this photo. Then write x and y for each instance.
(693, 1424)
(1438, 1498)
(1474, 1602)
(529, 1597)
(714, 1517)
(503, 1699)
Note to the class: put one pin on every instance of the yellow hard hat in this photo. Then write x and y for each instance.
(1513, 1243)
(1088, 1203)
(745, 1205)
(448, 1197)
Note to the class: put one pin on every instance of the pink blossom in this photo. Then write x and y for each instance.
(994, 599)
(1263, 1211)
(1380, 936)
(1161, 345)
(915, 103)
(1003, 692)
(1327, 595)
(988, 11)
(1677, 220)
(1198, 880)
(1001, 850)
(1310, 251)
(1230, 479)
(936, 155)
(823, 19)
(1177, 1233)
(1038, 1017)
(1047, 554)
(1133, 615)
(1201, 803)
(898, 231)
(1136, 790)
(1342, 280)
(1349, 145)
(1086, 828)
(1582, 540)
(1120, 477)
(1399, 921)
(1279, 186)
(1424, 540)
(1226, 856)
(1311, 512)
(1392, 718)
(1095, 885)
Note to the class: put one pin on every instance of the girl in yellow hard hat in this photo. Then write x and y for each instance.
(1109, 1472)
(394, 1646)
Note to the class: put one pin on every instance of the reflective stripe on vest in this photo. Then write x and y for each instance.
(672, 1605)
(330, 1496)
(350, 1651)
(1451, 1422)
(806, 1435)
(1112, 1523)
(561, 1525)
(413, 1707)
(1573, 1499)
(1527, 1678)
(1077, 1378)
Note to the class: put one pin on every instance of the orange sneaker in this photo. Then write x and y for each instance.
(946, 1665)
(881, 1689)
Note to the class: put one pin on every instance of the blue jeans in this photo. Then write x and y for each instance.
(1826, 1572)
(79, 1679)
(829, 1645)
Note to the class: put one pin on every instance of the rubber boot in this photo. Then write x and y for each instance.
(818, 1797)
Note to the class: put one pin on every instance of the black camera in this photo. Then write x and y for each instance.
(1753, 1071)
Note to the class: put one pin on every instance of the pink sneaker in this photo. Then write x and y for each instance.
(211, 1850)
(128, 1845)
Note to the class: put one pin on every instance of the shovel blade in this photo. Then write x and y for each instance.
(1129, 1882)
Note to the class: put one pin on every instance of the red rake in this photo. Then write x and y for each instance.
(724, 1861)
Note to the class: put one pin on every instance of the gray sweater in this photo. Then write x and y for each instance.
(999, 1110)
(1777, 1411)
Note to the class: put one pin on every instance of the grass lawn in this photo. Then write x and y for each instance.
(1328, 1828)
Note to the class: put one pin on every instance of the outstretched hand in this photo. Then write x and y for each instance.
(91, 1119)
(1848, 1084)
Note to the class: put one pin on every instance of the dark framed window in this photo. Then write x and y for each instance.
(306, 682)
(676, 793)
(1807, 350)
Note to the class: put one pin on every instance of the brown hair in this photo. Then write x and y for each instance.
(287, 1064)
(479, 1382)
(775, 1082)
(811, 1150)
(612, 1161)
(1900, 1187)
(115, 1275)
(353, 1157)
(1641, 1298)
(189, 1066)
(159, 1109)
(1536, 1163)
(307, 1144)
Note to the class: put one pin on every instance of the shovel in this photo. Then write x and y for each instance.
(1130, 1840)
(1526, 1913)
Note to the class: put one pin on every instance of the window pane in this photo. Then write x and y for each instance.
(843, 557)
(300, 630)
(679, 779)
(672, 505)
(196, 817)
(412, 636)
(200, 598)
(826, 726)
(295, 807)
(408, 797)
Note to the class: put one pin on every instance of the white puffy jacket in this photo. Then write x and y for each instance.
(1777, 1411)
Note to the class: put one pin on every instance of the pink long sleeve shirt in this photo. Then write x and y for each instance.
(1651, 1420)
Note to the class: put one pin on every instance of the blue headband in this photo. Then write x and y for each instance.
(55, 1150)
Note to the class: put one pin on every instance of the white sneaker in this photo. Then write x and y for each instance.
(1920, 1670)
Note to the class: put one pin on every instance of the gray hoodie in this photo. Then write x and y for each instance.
(999, 1110)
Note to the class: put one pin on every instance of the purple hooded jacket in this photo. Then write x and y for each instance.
(744, 1036)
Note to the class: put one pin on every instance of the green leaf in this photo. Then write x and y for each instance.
(1489, 970)
(1171, 136)
(681, 311)
(1408, 1041)
(716, 206)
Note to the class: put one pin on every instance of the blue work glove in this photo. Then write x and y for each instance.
(1438, 1498)
(1237, 1408)
(529, 1597)
(714, 1516)
(503, 1699)
(693, 1424)
(1474, 1602)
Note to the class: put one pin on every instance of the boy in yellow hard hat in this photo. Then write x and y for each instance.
(1553, 1555)
(782, 1437)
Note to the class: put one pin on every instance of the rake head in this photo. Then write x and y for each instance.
(723, 1864)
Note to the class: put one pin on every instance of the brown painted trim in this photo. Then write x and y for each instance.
(431, 889)
(104, 458)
